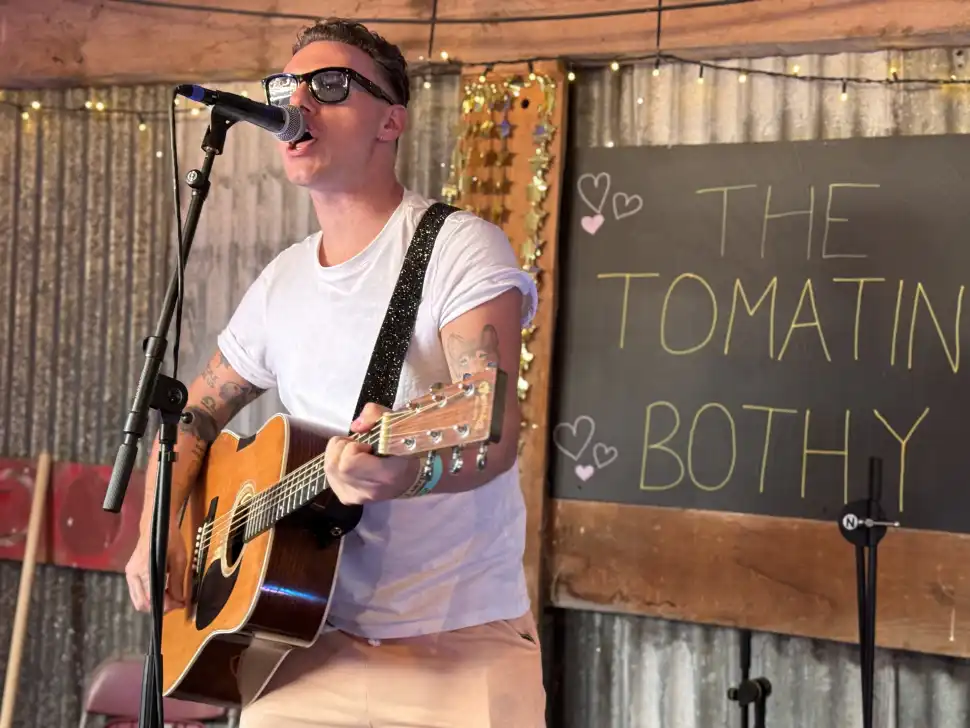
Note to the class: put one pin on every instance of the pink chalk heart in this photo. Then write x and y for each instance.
(585, 472)
(591, 223)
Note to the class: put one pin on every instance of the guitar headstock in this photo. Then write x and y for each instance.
(457, 415)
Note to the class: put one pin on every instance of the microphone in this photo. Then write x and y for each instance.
(285, 122)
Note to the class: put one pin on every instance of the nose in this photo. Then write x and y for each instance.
(302, 97)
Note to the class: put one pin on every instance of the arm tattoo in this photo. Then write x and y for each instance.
(473, 355)
(208, 375)
(202, 426)
(238, 396)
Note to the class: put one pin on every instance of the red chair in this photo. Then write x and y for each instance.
(114, 691)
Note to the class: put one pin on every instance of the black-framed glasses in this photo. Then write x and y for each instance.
(327, 85)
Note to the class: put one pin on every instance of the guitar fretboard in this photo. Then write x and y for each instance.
(291, 493)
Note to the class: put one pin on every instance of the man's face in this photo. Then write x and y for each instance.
(345, 134)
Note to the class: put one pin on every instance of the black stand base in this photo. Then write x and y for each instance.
(750, 692)
(863, 524)
(167, 396)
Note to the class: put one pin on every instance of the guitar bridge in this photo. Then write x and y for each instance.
(203, 540)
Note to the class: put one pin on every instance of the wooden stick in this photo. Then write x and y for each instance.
(26, 584)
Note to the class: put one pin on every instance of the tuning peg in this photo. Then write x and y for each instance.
(456, 459)
(482, 456)
(466, 376)
(491, 365)
(435, 389)
(429, 465)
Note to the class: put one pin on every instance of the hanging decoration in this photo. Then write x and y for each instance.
(506, 123)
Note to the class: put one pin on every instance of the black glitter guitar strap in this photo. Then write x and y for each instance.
(380, 382)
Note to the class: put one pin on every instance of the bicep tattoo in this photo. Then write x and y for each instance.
(472, 355)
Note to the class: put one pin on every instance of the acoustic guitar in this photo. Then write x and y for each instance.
(264, 535)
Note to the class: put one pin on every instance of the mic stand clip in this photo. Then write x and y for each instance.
(750, 691)
(754, 692)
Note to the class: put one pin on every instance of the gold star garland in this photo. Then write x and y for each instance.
(478, 177)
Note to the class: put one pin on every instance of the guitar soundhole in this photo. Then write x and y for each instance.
(236, 538)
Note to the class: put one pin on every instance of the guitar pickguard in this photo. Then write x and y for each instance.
(213, 594)
(217, 583)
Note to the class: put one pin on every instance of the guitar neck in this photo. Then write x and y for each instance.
(290, 494)
(455, 416)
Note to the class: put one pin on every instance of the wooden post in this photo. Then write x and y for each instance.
(19, 632)
(507, 167)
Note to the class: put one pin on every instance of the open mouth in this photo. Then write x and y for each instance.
(302, 142)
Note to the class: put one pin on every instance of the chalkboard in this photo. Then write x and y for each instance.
(742, 326)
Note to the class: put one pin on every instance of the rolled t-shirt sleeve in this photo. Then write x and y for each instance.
(244, 341)
(474, 265)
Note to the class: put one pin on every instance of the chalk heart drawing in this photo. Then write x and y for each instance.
(585, 472)
(592, 223)
(625, 205)
(603, 455)
(567, 436)
(591, 183)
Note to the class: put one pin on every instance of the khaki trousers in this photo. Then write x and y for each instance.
(478, 677)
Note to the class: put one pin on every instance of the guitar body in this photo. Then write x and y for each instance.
(254, 600)
(263, 534)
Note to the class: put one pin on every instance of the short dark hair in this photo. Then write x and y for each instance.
(386, 55)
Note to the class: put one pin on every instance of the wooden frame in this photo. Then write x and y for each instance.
(783, 575)
(93, 42)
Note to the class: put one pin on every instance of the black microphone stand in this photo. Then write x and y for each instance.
(750, 691)
(168, 397)
(863, 523)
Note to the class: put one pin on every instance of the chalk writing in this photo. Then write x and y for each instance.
(772, 316)
(810, 213)
(772, 288)
(805, 315)
(858, 308)
(954, 357)
(768, 422)
(653, 440)
(903, 441)
(829, 219)
(666, 304)
(567, 436)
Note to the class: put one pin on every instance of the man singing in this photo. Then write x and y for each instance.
(430, 622)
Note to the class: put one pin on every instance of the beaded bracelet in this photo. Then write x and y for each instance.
(427, 479)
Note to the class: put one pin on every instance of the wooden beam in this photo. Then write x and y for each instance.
(782, 575)
(92, 42)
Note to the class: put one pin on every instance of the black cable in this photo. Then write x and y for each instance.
(270, 14)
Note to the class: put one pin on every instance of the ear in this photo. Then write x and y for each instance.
(489, 341)
(395, 122)
(456, 348)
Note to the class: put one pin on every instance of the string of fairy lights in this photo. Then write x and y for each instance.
(425, 72)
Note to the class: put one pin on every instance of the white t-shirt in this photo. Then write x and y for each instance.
(412, 566)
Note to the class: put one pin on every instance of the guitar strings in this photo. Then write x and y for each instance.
(266, 500)
(295, 480)
(291, 483)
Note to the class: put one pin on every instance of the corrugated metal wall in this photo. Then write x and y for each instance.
(83, 224)
(616, 671)
(85, 236)
(86, 246)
